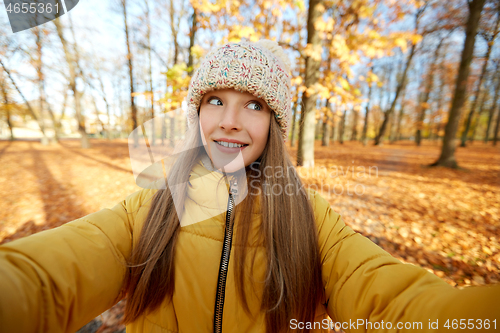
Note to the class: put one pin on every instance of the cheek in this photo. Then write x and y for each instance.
(203, 129)
(260, 133)
(205, 123)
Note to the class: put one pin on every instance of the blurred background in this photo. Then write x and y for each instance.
(399, 103)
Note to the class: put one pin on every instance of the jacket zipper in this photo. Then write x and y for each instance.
(224, 261)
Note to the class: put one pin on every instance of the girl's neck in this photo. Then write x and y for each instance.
(207, 163)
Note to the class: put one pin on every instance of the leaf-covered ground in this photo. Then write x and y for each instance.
(447, 221)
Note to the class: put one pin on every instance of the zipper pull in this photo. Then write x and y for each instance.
(233, 187)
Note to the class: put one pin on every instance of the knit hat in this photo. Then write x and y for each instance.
(260, 68)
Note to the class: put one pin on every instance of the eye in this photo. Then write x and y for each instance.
(255, 106)
(214, 101)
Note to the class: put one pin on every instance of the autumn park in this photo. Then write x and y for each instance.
(396, 115)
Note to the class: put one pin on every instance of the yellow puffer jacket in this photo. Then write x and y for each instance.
(58, 280)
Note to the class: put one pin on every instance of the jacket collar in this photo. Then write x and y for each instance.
(209, 187)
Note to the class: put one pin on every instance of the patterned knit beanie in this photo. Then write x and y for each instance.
(260, 68)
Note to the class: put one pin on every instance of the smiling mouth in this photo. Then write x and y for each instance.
(230, 144)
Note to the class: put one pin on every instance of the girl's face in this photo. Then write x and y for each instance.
(229, 117)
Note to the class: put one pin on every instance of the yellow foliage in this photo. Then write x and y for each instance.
(297, 80)
(197, 51)
(402, 43)
(343, 82)
(372, 77)
(416, 38)
(314, 53)
(300, 5)
(277, 12)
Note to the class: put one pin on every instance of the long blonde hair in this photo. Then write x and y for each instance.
(293, 286)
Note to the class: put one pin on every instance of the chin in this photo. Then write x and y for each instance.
(230, 167)
(228, 163)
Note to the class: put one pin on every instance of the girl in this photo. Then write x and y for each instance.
(275, 258)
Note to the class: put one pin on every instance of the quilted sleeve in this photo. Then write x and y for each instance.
(369, 290)
(60, 279)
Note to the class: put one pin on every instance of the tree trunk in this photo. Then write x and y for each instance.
(108, 108)
(98, 119)
(3, 88)
(493, 104)
(342, 127)
(305, 151)
(174, 30)
(367, 111)
(78, 105)
(479, 84)
(70, 60)
(354, 133)
(388, 113)
(192, 34)
(41, 87)
(318, 126)
(9, 123)
(334, 126)
(441, 94)
(152, 138)
(325, 140)
(32, 112)
(163, 128)
(397, 135)
(477, 118)
(497, 127)
(447, 157)
(294, 117)
(131, 75)
(425, 99)
(391, 128)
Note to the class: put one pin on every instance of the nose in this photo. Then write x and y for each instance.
(230, 119)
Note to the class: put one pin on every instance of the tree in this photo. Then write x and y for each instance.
(296, 102)
(305, 151)
(354, 132)
(497, 128)
(424, 103)
(192, 36)
(397, 135)
(401, 83)
(28, 105)
(494, 102)
(133, 107)
(342, 126)
(325, 140)
(490, 40)
(150, 73)
(447, 157)
(7, 105)
(367, 112)
(39, 34)
(72, 62)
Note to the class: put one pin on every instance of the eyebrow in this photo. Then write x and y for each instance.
(214, 93)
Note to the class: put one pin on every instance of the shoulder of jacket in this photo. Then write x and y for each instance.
(323, 211)
(139, 199)
(319, 204)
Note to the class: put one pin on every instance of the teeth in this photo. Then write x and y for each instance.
(229, 144)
